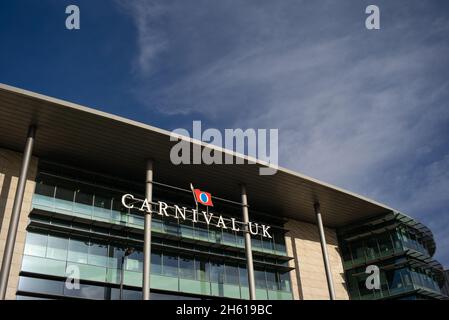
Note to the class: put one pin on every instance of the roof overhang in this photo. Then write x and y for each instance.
(96, 140)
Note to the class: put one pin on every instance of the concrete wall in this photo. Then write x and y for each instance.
(10, 163)
(309, 277)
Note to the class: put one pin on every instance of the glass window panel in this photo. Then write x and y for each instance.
(45, 190)
(256, 242)
(202, 269)
(134, 262)
(102, 207)
(42, 286)
(78, 251)
(284, 280)
(23, 297)
(201, 232)
(98, 254)
(358, 252)
(272, 282)
(243, 275)
(385, 243)
(36, 244)
(371, 248)
(119, 212)
(86, 291)
(170, 264)
(259, 275)
(102, 202)
(83, 197)
(186, 267)
(397, 240)
(279, 242)
(64, 194)
(267, 244)
(229, 236)
(231, 273)
(216, 272)
(171, 227)
(115, 256)
(394, 280)
(240, 240)
(57, 248)
(127, 294)
(156, 262)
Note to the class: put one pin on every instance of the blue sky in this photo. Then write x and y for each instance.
(365, 110)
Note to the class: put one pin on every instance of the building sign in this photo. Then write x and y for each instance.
(177, 212)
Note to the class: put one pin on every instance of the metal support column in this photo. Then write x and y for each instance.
(248, 249)
(330, 283)
(15, 215)
(147, 233)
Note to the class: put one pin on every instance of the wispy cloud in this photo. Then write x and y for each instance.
(366, 110)
(151, 40)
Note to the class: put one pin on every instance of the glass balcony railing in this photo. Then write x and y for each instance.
(97, 212)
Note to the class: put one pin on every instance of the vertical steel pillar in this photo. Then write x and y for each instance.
(15, 215)
(147, 233)
(330, 283)
(248, 249)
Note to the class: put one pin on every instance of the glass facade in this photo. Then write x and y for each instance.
(400, 251)
(78, 223)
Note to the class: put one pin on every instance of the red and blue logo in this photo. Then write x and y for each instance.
(203, 197)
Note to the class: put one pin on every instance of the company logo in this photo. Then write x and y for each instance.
(194, 215)
(203, 197)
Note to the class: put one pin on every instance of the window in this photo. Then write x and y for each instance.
(87, 291)
(170, 264)
(156, 262)
(371, 248)
(57, 248)
(36, 244)
(102, 202)
(259, 275)
(64, 194)
(232, 273)
(229, 236)
(272, 282)
(186, 267)
(78, 251)
(102, 207)
(256, 242)
(394, 280)
(284, 281)
(45, 190)
(243, 275)
(267, 243)
(385, 243)
(98, 254)
(83, 198)
(358, 252)
(115, 257)
(35, 285)
(216, 272)
(279, 242)
(202, 269)
(134, 262)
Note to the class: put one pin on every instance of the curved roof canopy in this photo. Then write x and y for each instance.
(96, 140)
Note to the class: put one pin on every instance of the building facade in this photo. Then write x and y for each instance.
(72, 222)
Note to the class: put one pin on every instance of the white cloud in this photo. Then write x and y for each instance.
(151, 39)
(363, 110)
